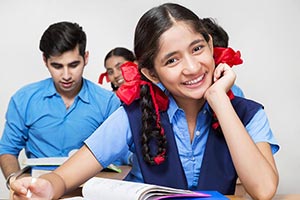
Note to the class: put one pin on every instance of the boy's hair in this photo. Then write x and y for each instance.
(61, 37)
(219, 36)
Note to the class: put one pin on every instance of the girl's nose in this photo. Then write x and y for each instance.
(117, 73)
(190, 65)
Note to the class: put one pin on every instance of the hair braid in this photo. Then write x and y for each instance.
(150, 131)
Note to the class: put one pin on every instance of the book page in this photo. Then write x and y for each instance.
(102, 188)
(45, 161)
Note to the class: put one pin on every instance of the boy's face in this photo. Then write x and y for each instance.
(66, 71)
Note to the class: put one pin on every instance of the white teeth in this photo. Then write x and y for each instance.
(194, 81)
(120, 81)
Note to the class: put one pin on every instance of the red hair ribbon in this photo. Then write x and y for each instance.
(102, 76)
(130, 91)
(227, 55)
(230, 57)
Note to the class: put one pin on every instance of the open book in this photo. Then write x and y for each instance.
(102, 188)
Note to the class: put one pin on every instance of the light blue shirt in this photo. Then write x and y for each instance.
(115, 134)
(237, 91)
(37, 119)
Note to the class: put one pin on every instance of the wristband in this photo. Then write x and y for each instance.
(8, 179)
(16, 174)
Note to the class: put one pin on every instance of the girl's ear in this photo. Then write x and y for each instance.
(150, 75)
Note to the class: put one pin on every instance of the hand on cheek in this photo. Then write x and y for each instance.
(223, 77)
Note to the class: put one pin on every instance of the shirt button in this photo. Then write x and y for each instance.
(197, 133)
(204, 112)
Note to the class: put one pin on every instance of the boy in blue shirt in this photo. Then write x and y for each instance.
(51, 117)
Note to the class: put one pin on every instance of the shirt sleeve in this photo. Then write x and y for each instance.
(111, 140)
(114, 104)
(15, 131)
(260, 131)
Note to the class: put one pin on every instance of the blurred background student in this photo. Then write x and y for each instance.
(112, 62)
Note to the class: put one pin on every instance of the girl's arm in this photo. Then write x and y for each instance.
(75, 171)
(254, 163)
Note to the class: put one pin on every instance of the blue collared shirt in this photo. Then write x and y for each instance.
(37, 119)
(117, 137)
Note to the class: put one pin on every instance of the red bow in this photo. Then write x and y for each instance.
(101, 77)
(130, 90)
(230, 57)
(227, 55)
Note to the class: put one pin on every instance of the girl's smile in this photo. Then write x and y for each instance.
(184, 63)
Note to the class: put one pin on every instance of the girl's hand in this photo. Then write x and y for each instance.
(25, 188)
(223, 79)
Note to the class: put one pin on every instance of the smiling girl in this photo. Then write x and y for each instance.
(175, 143)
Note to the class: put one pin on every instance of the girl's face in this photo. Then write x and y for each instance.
(184, 63)
(114, 72)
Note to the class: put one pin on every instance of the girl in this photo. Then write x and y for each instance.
(175, 134)
(112, 62)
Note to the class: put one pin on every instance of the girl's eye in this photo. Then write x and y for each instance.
(118, 67)
(110, 72)
(170, 61)
(198, 48)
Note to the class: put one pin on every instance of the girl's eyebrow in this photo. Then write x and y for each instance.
(197, 41)
(118, 64)
(167, 56)
(174, 52)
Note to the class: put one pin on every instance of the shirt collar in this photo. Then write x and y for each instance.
(83, 93)
(173, 107)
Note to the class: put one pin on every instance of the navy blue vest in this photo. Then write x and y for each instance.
(217, 169)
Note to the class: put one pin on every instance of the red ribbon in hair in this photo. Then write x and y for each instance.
(102, 76)
(230, 57)
(130, 91)
(227, 55)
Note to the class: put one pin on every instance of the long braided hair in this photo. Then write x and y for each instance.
(146, 45)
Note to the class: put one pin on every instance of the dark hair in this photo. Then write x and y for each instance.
(219, 36)
(120, 51)
(61, 37)
(146, 45)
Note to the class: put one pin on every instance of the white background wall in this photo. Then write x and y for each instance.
(266, 32)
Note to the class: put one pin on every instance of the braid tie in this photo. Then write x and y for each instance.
(130, 91)
(102, 76)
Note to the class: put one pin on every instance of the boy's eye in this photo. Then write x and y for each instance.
(74, 64)
(56, 66)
